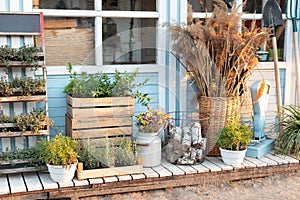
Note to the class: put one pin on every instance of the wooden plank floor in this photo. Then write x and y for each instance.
(39, 185)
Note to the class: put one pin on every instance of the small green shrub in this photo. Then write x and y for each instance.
(101, 85)
(60, 150)
(234, 136)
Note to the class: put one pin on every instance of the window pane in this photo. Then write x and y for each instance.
(129, 5)
(69, 40)
(67, 4)
(129, 40)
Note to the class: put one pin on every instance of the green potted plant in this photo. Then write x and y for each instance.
(288, 140)
(232, 141)
(61, 157)
(148, 141)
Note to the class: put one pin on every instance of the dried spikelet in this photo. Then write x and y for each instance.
(263, 88)
(190, 14)
(220, 58)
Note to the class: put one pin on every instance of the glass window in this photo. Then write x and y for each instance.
(129, 41)
(129, 5)
(69, 40)
(67, 4)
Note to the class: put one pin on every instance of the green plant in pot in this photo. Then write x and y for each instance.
(60, 156)
(288, 140)
(232, 141)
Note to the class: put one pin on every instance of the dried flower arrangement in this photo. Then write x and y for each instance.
(220, 58)
(152, 120)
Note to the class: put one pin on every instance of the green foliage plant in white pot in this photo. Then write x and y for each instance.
(232, 141)
(60, 156)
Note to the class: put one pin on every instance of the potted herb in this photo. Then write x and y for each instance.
(232, 141)
(288, 140)
(149, 143)
(60, 156)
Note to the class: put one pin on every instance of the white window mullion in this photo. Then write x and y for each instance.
(98, 41)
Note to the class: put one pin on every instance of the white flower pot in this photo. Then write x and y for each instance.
(60, 173)
(234, 158)
(149, 148)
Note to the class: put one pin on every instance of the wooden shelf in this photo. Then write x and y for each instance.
(40, 64)
(33, 98)
(22, 134)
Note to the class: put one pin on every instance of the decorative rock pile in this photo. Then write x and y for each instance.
(186, 145)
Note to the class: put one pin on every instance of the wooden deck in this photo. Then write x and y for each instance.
(38, 185)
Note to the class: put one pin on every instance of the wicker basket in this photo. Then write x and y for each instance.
(218, 110)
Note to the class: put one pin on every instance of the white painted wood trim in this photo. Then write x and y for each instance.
(98, 41)
(97, 13)
(62, 70)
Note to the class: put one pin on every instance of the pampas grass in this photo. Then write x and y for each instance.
(221, 58)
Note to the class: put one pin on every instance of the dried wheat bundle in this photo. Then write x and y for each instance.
(221, 58)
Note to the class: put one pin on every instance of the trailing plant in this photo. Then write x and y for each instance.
(234, 136)
(34, 121)
(22, 86)
(27, 55)
(60, 150)
(101, 85)
(31, 155)
(288, 140)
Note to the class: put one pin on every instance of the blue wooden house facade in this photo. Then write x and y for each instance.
(104, 35)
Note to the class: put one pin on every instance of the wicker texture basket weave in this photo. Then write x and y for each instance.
(218, 110)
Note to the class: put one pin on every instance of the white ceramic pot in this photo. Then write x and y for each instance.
(234, 158)
(149, 148)
(62, 174)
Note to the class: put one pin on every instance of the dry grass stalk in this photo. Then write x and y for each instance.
(221, 59)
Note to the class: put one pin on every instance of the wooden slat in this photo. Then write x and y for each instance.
(212, 167)
(20, 64)
(149, 173)
(32, 181)
(172, 168)
(47, 182)
(187, 169)
(248, 164)
(269, 161)
(105, 172)
(110, 179)
(18, 170)
(114, 112)
(4, 188)
(200, 168)
(288, 158)
(66, 184)
(100, 122)
(163, 172)
(220, 163)
(96, 181)
(19, 134)
(60, 24)
(124, 178)
(102, 132)
(17, 183)
(257, 162)
(33, 98)
(277, 159)
(138, 176)
(99, 102)
(80, 182)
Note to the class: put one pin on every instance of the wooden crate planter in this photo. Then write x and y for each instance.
(107, 172)
(96, 118)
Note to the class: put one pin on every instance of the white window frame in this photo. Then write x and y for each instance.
(98, 14)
